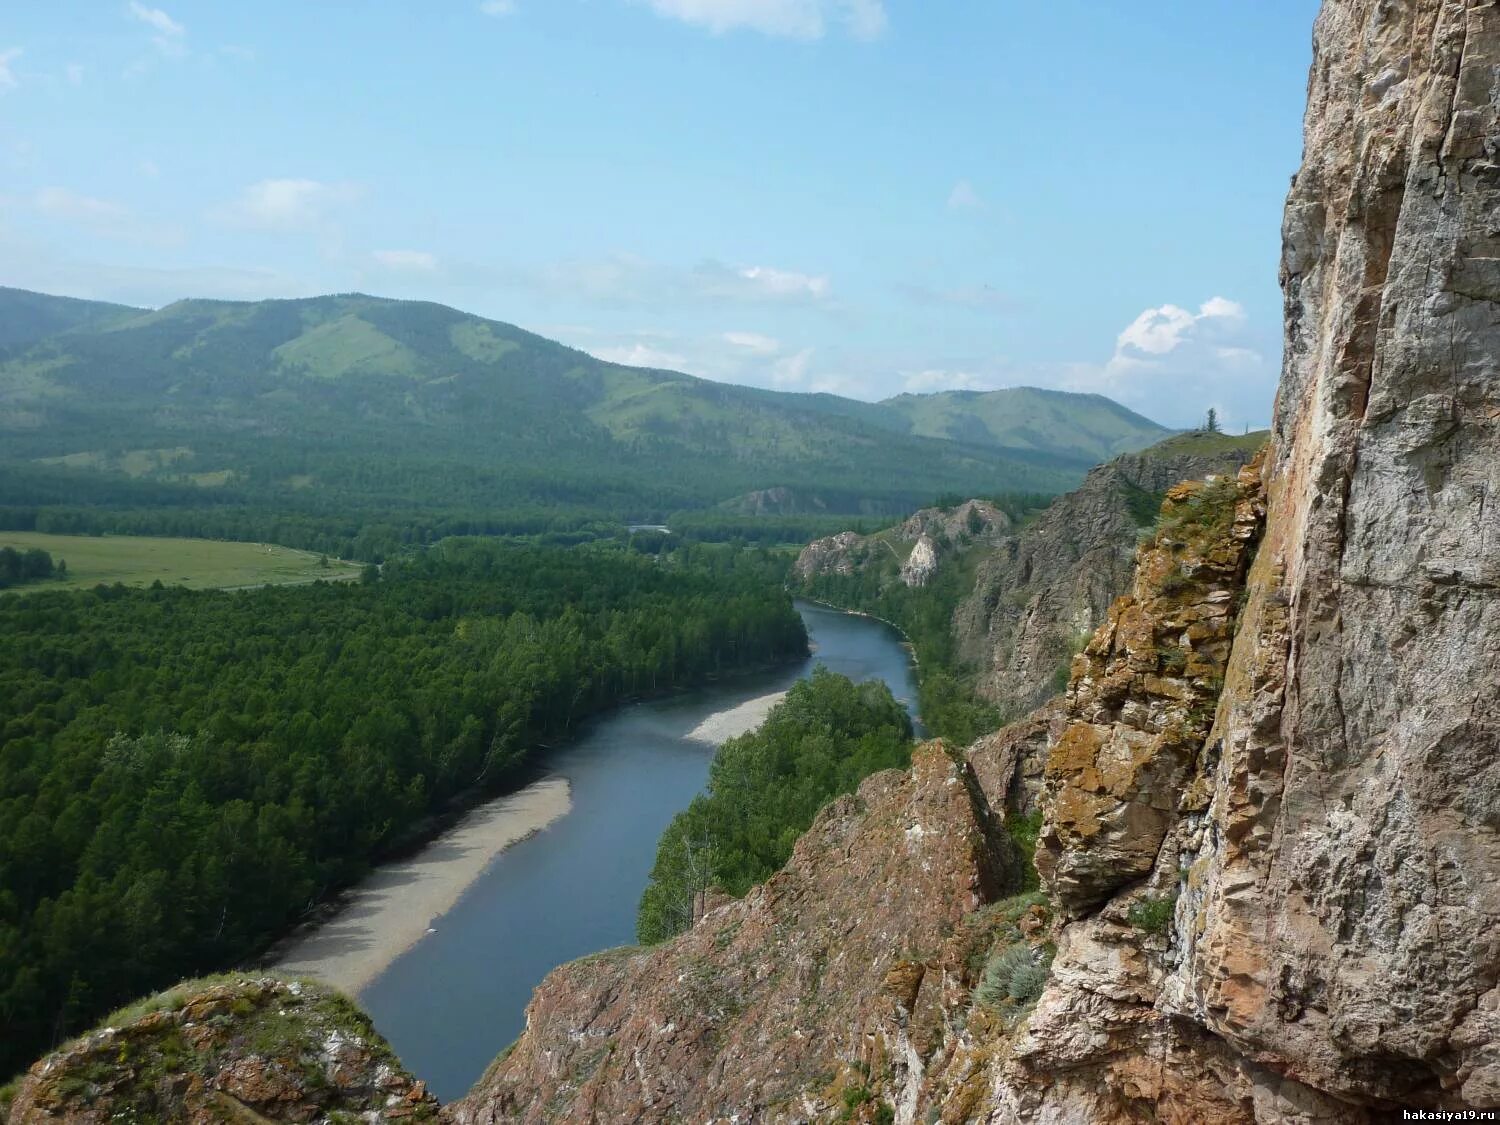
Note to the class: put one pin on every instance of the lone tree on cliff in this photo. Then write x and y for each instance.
(1212, 422)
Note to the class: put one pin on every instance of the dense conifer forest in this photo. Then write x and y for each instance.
(184, 773)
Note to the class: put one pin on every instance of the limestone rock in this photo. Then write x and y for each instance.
(921, 564)
(913, 548)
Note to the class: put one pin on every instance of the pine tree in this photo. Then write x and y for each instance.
(1212, 424)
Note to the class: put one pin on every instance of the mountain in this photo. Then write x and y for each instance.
(354, 402)
(27, 317)
(1026, 418)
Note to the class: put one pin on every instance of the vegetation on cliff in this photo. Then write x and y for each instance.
(184, 772)
(764, 789)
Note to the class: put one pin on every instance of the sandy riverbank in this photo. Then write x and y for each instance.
(393, 909)
(721, 727)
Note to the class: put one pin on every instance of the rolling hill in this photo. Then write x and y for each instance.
(1031, 418)
(351, 403)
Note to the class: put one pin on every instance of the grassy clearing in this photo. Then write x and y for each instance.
(197, 563)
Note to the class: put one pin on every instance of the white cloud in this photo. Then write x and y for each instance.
(74, 74)
(963, 197)
(287, 205)
(1165, 328)
(790, 370)
(624, 280)
(938, 379)
(1172, 364)
(792, 19)
(754, 342)
(103, 218)
(784, 283)
(157, 19)
(169, 34)
(498, 7)
(640, 355)
(7, 74)
(1221, 307)
(419, 261)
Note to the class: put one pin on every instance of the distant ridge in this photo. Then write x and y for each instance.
(351, 401)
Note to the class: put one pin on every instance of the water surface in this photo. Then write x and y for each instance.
(456, 999)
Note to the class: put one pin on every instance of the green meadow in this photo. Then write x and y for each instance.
(197, 563)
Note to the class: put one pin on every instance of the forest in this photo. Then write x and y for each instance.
(765, 787)
(184, 773)
(33, 565)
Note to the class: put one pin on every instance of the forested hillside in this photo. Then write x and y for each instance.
(764, 789)
(315, 422)
(182, 773)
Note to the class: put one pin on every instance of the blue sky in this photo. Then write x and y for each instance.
(860, 196)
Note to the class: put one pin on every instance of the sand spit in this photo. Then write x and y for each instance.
(724, 725)
(395, 907)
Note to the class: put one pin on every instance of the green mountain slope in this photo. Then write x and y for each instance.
(1028, 418)
(346, 404)
(26, 317)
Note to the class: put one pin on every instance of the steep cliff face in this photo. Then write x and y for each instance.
(1333, 947)
(1346, 928)
(911, 551)
(1039, 590)
(1043, 590)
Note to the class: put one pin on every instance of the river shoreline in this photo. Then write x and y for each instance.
(400, 903)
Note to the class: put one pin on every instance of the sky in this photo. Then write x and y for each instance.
(866, 197)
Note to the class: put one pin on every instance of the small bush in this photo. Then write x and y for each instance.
(1015, 975)
(1152, 915)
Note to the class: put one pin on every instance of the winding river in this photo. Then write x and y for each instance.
(457, 998)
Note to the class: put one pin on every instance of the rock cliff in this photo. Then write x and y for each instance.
(910, 552)
(1038, 590)
(1046, 589)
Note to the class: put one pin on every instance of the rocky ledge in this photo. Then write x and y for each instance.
(234, 1049)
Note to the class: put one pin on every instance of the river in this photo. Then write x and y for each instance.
(457, 998)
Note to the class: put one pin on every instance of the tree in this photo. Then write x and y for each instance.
(1212, 424)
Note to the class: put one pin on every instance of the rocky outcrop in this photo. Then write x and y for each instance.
(910, 552)
(768, 1007)
(1142, 695)
(778, 501)
(236, 1049)
(1038, 591)
(921, 564)
(1041, 593)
